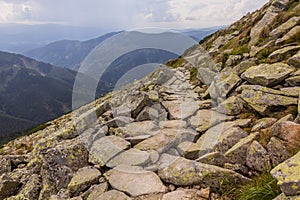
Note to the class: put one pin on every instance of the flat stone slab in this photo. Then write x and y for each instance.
(181, 109)
(106, 148)
(134, 181)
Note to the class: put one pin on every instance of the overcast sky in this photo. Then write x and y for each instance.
(127, 14)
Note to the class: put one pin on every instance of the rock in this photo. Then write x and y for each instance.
(293, 81)
(284, 53)
(237, 153)
(244, 65)
(264, 102)
(149, 113)
(134, 181)
(229, 138)
(287, 174)
(97, 191)
(285, 27)
(8, 186)
(267, 74)
(295, 60)
(257, 157)
(132, 157)
(188, 150)
(106, 148)
(237, 168)
(166, 139)
(180, 109)
(231, 106)
(214, 158)
(259, 27)
(5, 165)
(291, 91)
(32, 188)
(209, 140)
(204, 119)
(206, 75)
(263, 123)
(113, 195)
(289, 132)
(233, 60)
(119, 121)
(140, 128)
(223, 83)
(83, 179)
(190, 194)
(277, 151)
(182, 172)
(58, 165)
(289, 36)
(173, 124)
(283, 197)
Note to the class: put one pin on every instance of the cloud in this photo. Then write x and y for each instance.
(128, 13)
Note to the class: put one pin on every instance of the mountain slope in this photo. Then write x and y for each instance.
(221, 123)
(66, 53)
(31, 92)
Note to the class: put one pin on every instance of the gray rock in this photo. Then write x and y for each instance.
(204, 119)
(277, 151)
(190, 194)
(233, 60)
(134, 181)
(206, 75)
(289, 36)
(140, 128)
(113, 195)
(8, 186)
(229, 138)
(284, 53)
(295, 60)
(214, 158)
(237, 153)
(264, 102)
(188, 150)
(180, 109)
(137, 139)
(32, 188)
(257, 157)
(284, 197)
(119, 121)
(5, 165)
(106, 148)
(83, 179)
(132, 157)
(175, 124)
(97, 191)
(287, 174)
(285, 27)
(293, 81)
(231, 106)
(263, 123)
(183, 172)
(244, 65)
(267, 74)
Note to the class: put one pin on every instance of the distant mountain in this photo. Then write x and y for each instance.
(66, 53)
(199, 34)
(18, 38)
(31, 93)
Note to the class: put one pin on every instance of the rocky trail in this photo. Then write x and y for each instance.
(211, 121)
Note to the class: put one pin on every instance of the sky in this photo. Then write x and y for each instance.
(127, 14)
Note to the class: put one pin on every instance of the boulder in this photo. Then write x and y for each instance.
(257, 157)
(181, 109)
(293, 81)
(287, 174)
(284, 53)
(223, 83)
(214, 158)
(140, 128)
(244, 65)
(233, 60)
(32, 188)
(5, 165)
(267, 74)
(285, 27)
(173, 124)
(289, 36)
(183, 172)
(204, 119)
(8, 186)
(277, 150)
(120, 121)
(113, 195)
(133, 157)
(83, 179)
(264, 102)
(188, 150)
(231, 106)
(97, 190)
(237, 153)
(206, 75)
(190, 194)
(295, 60)
(106, 148)
(166, 139)
(134, 180)
(263, 123)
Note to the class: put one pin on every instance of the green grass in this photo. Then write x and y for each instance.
(176, 63)
(193, 74)
(38, 128)
(263, 187)
(240, 50)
